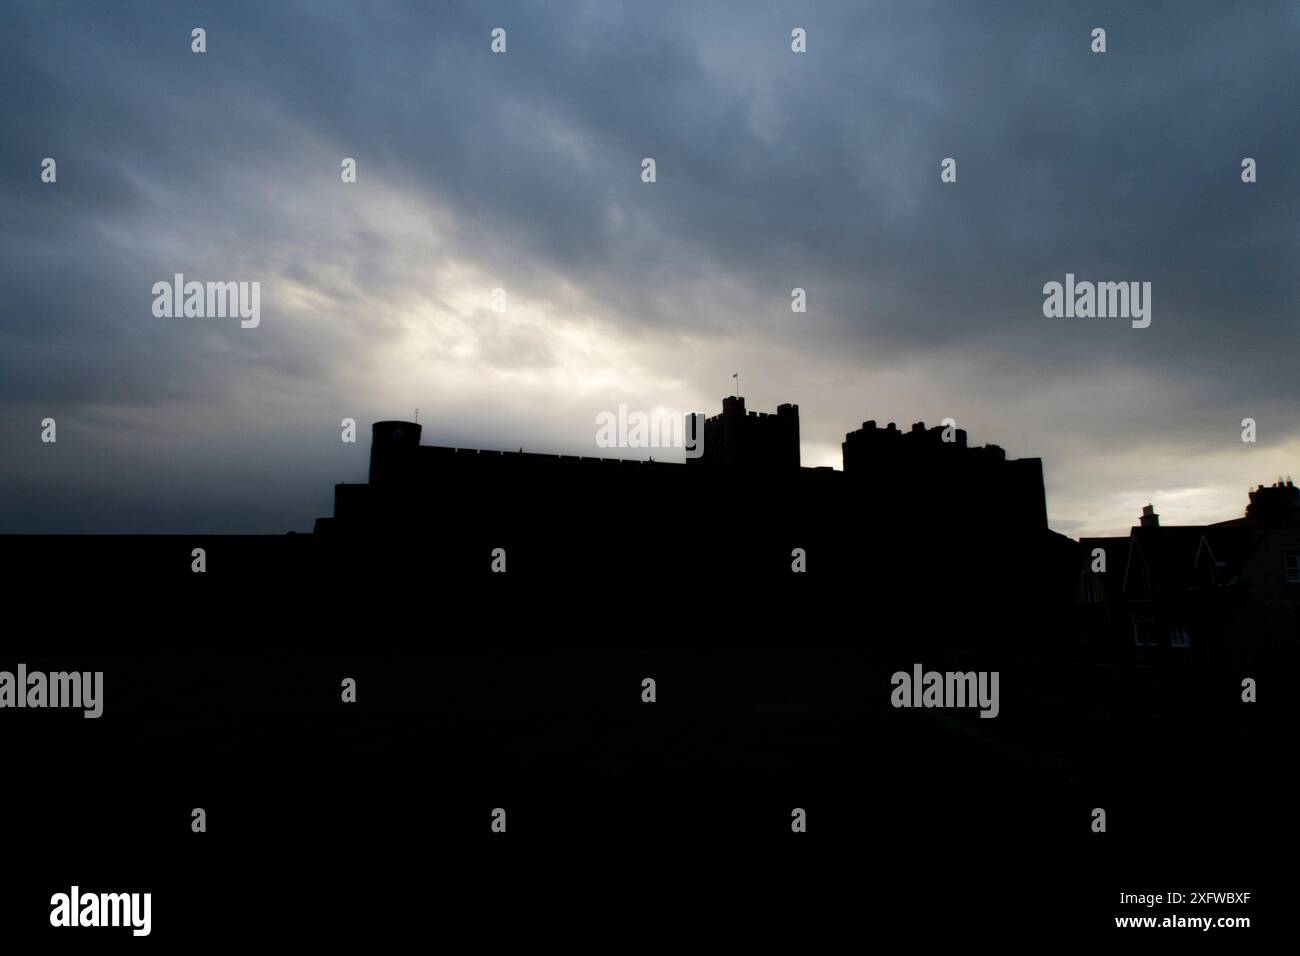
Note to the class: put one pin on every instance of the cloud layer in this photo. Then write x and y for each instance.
(522, 171)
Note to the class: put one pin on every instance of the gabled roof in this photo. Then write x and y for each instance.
(1230, 543)
(1180, 556)
(1168, 553)
(1116, 550)
(1116, 556)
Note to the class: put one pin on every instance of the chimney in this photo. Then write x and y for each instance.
(1149, 517)
(1278, 506)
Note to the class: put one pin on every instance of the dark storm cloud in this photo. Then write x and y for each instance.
(775, 170)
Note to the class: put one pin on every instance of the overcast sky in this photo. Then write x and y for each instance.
(522, 171)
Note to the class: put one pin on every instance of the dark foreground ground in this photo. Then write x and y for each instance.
(327, 820)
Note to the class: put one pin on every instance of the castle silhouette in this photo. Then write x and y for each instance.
(946, 541)
(930, 472)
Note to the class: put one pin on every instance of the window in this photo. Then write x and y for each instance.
(1144, 628)
(1178, 637)
(1291, 562)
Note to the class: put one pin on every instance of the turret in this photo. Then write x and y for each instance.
(393, 450)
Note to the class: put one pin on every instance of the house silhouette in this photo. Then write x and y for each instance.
(1219, 592)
